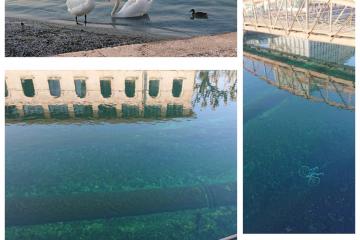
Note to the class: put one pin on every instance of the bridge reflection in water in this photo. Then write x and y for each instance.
(308, 84)
(322, 51)
(98, 94)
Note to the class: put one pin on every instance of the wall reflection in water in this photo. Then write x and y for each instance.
(113, 95)
(308, 84)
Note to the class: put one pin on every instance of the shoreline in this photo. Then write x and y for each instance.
(35, 38)
(221, 45)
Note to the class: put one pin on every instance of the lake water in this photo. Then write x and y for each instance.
(326, 52)
(166, 17)
(190, 149)
(299, 150)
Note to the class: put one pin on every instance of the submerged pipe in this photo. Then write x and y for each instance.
(88, 206)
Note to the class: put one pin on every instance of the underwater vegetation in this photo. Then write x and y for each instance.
(287, 145)
(311, 174)
(198, 224)
(158, 178)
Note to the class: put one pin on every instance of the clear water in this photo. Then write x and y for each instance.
(299, 154)
(166, 17)
(332, 53)
(58, 158)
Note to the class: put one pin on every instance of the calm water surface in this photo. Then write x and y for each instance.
(166, 17)
(326, 52)
(57, 158)
(299, 151)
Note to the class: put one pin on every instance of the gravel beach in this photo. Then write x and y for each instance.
(31, 38)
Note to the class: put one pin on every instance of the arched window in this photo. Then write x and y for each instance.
(11, 112)
(130, 88)
(28, 87)
(174, 110)
(33, 111)
(177, 87)
(59, 111)
(83, 111)
(152, 111)
(107, 111)
(105, 87)
(80, 88)
(54, 87)
(154, 88)
(130, 111)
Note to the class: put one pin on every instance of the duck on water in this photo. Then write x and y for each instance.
(131, 8)
(198, 14)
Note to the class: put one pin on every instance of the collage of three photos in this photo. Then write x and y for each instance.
(153, 154)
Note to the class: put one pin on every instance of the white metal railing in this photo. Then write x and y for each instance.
(319, 20)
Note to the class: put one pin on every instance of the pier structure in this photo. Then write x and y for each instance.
(97, 94)
(311, 85)
(330, 21)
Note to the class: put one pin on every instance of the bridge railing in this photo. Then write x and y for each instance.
(319, 20)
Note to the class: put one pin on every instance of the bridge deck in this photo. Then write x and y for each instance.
(331, 21)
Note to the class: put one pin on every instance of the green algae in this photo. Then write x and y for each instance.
(191, 225)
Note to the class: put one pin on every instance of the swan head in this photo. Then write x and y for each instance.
(192, 11)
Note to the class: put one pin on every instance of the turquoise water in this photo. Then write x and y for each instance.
(166, 17)
(299, 151)
(60, 158)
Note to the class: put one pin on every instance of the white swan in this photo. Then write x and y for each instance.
(80, 7)
(132, 8)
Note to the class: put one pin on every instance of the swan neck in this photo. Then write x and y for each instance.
(116, 6)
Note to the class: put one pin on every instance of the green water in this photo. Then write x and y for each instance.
(62, 158)
(299, 151)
